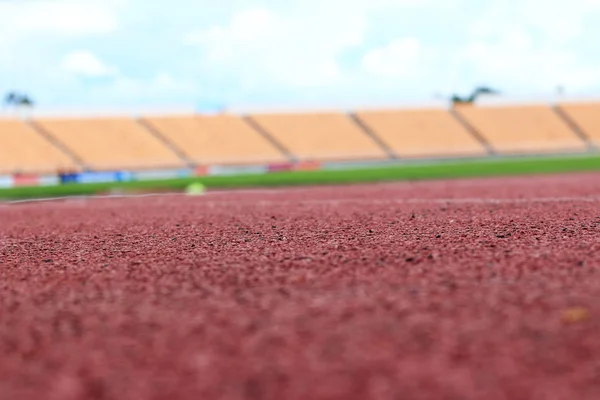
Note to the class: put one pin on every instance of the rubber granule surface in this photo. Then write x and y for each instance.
(467, 289)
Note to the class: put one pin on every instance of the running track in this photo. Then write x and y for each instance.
(464, 289)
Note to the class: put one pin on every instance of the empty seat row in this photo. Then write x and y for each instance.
(24, 150)
(587, 117)
(516, 130)
(48, 144)
(110, 143)
(220, 139)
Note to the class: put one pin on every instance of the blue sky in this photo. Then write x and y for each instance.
(98, 53)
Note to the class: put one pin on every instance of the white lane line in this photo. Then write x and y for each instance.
(167, 194)
(75, 199)
(409, 201)
(69, 200)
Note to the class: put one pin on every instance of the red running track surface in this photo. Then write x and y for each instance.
(467, 289)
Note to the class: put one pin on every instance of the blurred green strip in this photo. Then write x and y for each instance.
(409, 171)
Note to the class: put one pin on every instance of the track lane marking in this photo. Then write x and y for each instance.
(70, 200)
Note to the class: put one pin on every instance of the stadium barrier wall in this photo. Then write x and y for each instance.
(280, 167)
(153, 175)
(26, 180)
(98, 177)
(8, 181)
(236, 170)
(48, 180)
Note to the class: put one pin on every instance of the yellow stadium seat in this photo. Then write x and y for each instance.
(422, 133)
(219, 139)
(320, 136)
(112, 143)
(522, 129)
(22, 149)
(587, 117)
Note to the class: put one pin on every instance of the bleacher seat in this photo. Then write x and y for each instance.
(587, 118)
(320, 136)
(111, 143)
(522, 129)
(219, 139)
(22, 149)
(422, 133)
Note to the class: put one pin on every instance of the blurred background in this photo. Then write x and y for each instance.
(62, 59)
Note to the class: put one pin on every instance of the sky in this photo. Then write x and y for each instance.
(98, 53)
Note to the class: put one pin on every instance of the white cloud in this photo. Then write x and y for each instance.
(526, 46)
(521, 67)
(59, 17)
(260, 45)
(85, 63)
(26, 27)
(401, 58)
(552, 21)
(296, 50)
(302, 45)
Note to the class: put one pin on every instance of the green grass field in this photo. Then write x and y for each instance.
(409, 171)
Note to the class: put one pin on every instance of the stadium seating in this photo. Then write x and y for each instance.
(22, 149)
(219, 139)
(522, 129)
(422, 133)
(173, 141)
(320, 136)
(587, 118)
(111, 143)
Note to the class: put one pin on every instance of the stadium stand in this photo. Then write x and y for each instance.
(49, 144)
(320, 136)
(22, 149)
(587, 117)
(218, 139)
(111, 143)
(422, 133)
(522, 129)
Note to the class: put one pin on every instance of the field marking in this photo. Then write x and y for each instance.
(176, 194)
(71, 200)
(167, 194)
(442, 201)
